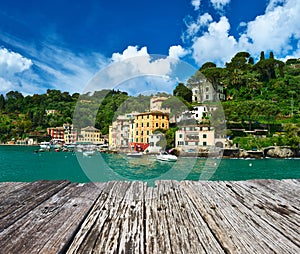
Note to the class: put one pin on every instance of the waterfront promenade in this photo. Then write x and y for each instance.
(257, 216)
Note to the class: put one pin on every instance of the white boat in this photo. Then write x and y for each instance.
(88, 153)
(164, 156)
(134, 154)
(45, 145)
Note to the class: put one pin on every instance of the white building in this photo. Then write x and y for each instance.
(205, 92)
(121, 131)
(193, 137)
(197, 114)
(157, 143)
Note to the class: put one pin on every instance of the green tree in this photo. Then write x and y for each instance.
(182, 91)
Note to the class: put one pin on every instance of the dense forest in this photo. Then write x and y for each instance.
(262, 94)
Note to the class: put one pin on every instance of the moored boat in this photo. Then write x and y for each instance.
(164, 156)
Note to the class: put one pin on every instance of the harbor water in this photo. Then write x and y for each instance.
(23, 164)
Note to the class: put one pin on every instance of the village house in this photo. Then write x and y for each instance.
(121, 131)
(146, 123)
(90, 135)
(70, 134)
(203, 91)
(191, 137)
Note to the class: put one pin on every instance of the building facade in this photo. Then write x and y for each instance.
(70, 134)
(146, 123)
(90, 134)
(121, 131)
(156, 104)
(56, 133)
(205, 92)
(194, 137)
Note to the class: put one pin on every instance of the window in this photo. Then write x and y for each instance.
(156, 125)
(137, 133)
(137, 125)
(196, 143)
(162, 125)
(142, 124)
(204, 143)
(156, 116)
(148, 124)
(186, 143)
(142, 133)
(207, 89)
(163, 117)
(204, 135)
(136, 140)
(147, 132)
(207, 97)
(180, 135)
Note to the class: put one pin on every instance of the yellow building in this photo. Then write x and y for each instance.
(90, 134)
(146, 123)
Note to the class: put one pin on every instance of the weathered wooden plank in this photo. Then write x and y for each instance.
(128, 217)
(50, 226)
(116, 222)
(175, 225)
(236, 226)
(23, 199)
(7, 187)
(273, 209)
(286, 189)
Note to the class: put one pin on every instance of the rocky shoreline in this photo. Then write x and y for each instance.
(267, 152)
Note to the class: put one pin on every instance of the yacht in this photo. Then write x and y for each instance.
(164, 156)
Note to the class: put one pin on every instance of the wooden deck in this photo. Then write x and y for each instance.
(259, 216)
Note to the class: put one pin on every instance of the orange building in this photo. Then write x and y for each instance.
(146, 123)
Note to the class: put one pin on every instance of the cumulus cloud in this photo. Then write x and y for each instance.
(136, 71)
(12, 64)
(276, 28)
(275, 31)
(177, 52)
(214, 45)
(219, 4)
(196, 4)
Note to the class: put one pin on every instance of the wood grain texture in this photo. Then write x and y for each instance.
(257, 216)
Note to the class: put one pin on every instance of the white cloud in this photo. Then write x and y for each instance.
(196, 4)
(194, 27)
(177, 52)
(131, 51)
(274, 31)
(219, 4)
(12, 63)
(136, 71)
(276, 28)
(215, 45)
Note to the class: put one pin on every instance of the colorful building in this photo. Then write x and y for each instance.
(193, 137)
(90, 134)
(121, 131)
(56, 133)
(146, 123)
(70, 134)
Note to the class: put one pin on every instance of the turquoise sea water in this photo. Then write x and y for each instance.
(20, 163)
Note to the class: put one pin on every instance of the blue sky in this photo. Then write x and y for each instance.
(62, 44)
